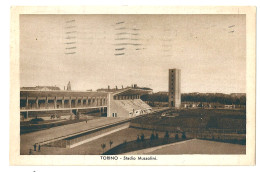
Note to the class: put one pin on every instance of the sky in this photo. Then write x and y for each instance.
(94, 51)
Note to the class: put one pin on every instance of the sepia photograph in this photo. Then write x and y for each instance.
(133, 86)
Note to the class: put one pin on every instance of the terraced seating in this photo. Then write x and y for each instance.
(136, 105)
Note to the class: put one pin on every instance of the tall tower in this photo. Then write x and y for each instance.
(175, 88)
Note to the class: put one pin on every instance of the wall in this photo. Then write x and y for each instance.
(113, 107)
(80, 139)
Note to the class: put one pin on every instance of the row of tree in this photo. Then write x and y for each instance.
(141, 138)
(156, 136)
(191, 97)
(103, 145)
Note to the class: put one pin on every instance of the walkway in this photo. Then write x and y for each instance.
(193, 146)
(27, 140)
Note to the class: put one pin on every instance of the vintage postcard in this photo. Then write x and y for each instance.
(132, 86)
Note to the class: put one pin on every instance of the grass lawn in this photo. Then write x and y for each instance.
(138, 145)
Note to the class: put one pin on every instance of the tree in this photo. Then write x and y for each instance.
(166, 135)
(110, 143)
(103, 146)
(138, 139)
(214, 98)
(156, 136)
(176, 136)
(152, 137)
(243, 100)
(183, 135)
(142, 137)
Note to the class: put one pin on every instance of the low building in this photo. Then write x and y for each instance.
(134, 86)
(230, 106)
(163, 93)
(41, 88)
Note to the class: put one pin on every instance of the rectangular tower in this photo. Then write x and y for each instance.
(175, 88)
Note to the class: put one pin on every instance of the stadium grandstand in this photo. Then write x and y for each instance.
(123, 102)
(127, 103)
(108, 89)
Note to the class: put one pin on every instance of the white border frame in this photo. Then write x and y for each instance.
(17, 159)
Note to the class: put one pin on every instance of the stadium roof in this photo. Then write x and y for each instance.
(46, 88)
(37, 93)
(132, 91)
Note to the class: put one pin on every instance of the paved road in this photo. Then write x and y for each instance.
(27, 140)
(193, 146)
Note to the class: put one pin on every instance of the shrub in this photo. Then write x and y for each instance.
(36, 120)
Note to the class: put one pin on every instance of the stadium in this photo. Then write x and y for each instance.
(114, 103)
(77, 122)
